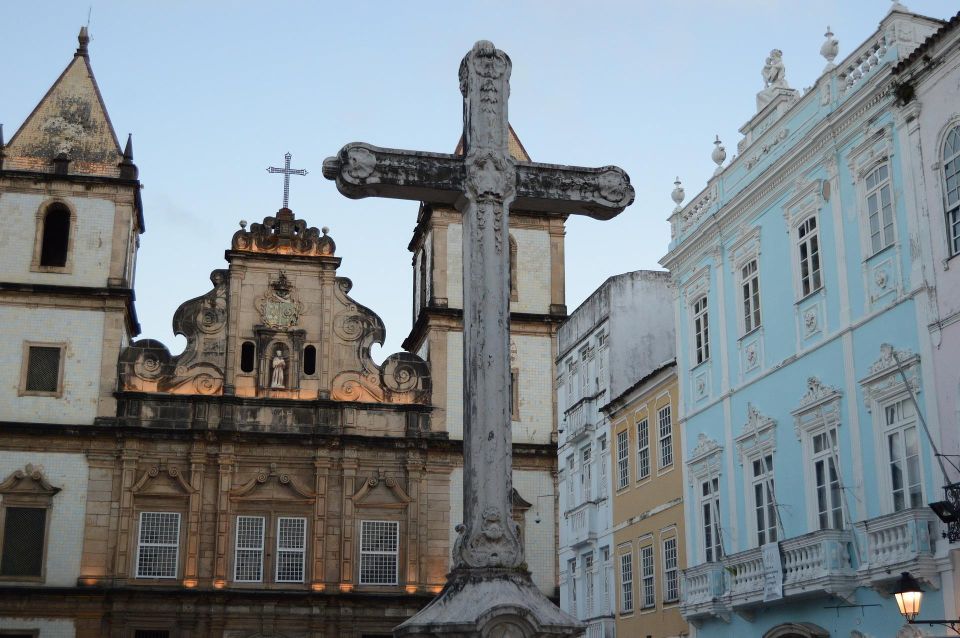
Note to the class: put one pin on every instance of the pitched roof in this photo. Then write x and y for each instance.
(71, 120)
(928, 44)
(517, 151)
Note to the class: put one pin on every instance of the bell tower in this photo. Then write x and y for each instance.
(70, 201)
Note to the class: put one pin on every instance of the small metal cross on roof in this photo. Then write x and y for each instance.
(287, 172)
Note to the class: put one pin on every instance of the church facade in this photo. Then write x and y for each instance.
(271, 480)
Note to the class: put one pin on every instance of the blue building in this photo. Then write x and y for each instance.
(804, 362)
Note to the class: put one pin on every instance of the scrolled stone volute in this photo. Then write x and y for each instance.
(284, 234)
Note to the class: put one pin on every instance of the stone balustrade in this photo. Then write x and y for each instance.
(902, 541)
(704, 587)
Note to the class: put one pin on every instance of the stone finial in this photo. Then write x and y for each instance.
(128, 170)
(84, 39)
(718, 155)
(897, 6)
(243, 224)
(829, 50)
(128, 149)
(677, 194)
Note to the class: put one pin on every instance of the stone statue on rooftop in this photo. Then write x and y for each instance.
(774, 73)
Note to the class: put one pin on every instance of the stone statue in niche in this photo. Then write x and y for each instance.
(774, 73)
(278, 365)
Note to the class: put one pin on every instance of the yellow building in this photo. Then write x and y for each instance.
(649, 551)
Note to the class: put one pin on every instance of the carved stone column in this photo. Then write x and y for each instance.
(321, 466)
(226, 463)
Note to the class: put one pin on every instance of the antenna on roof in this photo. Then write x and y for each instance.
(89, 11)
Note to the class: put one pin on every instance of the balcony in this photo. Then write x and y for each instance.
(704, 587)
(580, 419)
(600, 628)
(583, 525)
(818, 563)
(894, 543)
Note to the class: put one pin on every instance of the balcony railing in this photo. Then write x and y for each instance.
(704, 588)
(819, 562)
(580, 419)
(583, 524)
(903, 541)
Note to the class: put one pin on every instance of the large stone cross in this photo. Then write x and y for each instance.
(483, 184)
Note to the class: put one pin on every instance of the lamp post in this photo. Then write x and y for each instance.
(909, 595)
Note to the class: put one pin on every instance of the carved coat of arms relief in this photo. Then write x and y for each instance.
(279, 307)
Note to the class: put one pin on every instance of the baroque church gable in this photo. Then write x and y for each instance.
(277, 324)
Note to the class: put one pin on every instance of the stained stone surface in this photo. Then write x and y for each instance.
(489, 592)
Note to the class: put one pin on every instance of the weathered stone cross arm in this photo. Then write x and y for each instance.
(363, 170)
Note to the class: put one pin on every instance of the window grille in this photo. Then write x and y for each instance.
(666, 436)
(159, 545)
(151, 633)
(43, 369)
(23, 532)
(879, 208)
(808, 240)
(671, 575)
(291, 549)
(647, 574)
(701, 329)
(623, 461)
(643, 450)
(379, 542)
(626, 583)
(248, 553)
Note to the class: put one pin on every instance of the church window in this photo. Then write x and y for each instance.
(56, 236)
(808, 243)
(43, 372)
(253, 535)
(750, 288)
(379, 552)
(291, 549)
(24, 529)
(879, 207)
(247, 356)
(626, 583)
(248, 551)
(158, 547)
(514, 290)
(671, 573)
(623, 460)
(310, 360)
(701, 330)
(665, 423)
(643, 449)
(951, 177)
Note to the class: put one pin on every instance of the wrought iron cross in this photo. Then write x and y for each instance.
(287, 172)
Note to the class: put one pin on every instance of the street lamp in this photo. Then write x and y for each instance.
(909, 595)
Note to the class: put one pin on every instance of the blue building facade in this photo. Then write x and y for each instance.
(804, 365)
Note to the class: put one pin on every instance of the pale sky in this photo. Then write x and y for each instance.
(214, 92)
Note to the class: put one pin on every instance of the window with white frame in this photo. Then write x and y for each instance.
(571, 480)
(647, 575)
(665, 423)
(903, 454)
(571, 381)
(572, 579)
(623, 460)
(879, 207)
(379, 552)
(602, 446)
(808, 245)
(588, 571)
(291, 549)
(764, 502)
(951, 184)
(827, 479)
(750, 295)
(701, 330)
(586, 473)
(671, 572)
(643, 449)
(585, 372)
(606, 575)
(626, 583)
(248, 549)
(710, 519)
(158, 545)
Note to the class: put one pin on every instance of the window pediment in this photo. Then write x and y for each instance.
(705, 459)
(272, 486)
(758, 434)
(820, 405)
(30, 481)
(884, 380)
(381, 491)
(161, 480)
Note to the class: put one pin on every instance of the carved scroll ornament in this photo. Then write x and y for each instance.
(284, 234)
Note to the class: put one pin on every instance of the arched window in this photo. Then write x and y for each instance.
(247, 355)
(951, 177)
(514, 293)
(309, 360)
(56, 236)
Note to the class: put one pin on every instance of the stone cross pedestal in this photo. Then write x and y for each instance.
(489, 592)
